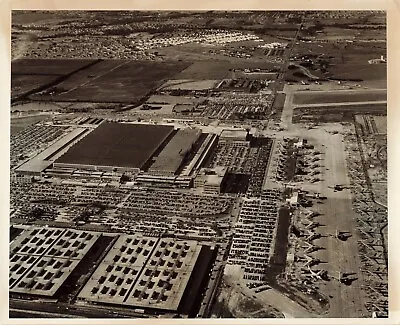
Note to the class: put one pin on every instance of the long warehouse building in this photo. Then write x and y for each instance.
(171, 157)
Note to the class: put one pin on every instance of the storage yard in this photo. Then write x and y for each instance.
(199, 165)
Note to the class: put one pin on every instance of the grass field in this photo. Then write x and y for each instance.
(206, 70)
(21, 84)
(36, 106)
(57, 67)
(87, 75)
(358, 71)
(346, 61)
(320, 97)
(123, 83)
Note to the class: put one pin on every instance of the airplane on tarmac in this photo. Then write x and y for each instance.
(314, 236)
(343, 235)
(313, 224)
(312, 248)
(312, 261)
(339, 187)
(317, 275)
(345, 278)
(315, 172)
(312, 214)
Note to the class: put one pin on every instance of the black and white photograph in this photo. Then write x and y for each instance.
(198, 164)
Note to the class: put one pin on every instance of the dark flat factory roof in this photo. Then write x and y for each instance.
(117, 144)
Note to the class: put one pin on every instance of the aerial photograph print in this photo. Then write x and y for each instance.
(198, 164)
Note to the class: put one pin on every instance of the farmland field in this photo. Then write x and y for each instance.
(82, 77)
(21, 84)
(56, 67)
(125, 83)
(317, 97)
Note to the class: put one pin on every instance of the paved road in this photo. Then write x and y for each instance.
(73, 311)
(341, 103)
(21, 313)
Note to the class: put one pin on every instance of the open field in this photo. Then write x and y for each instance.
(205, 70)
(83, 77)
(257, 75)
(343, 60)
(335, 33)
(162, 109)
(317, 97)
(56, 67)
(361, 72)
(35, 107)
(342, 52)
(21, 84)
(125, 83)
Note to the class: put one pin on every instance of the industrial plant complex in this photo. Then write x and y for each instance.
(198, 164)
